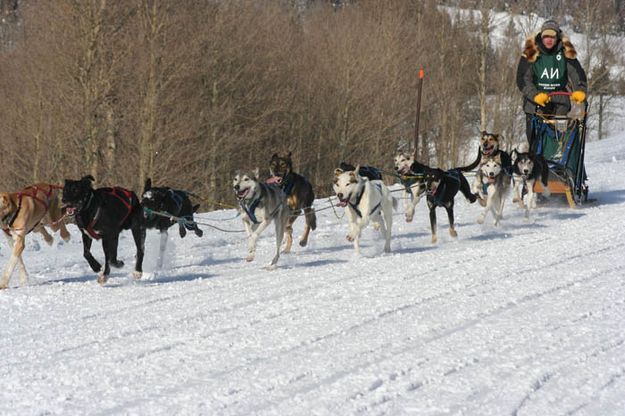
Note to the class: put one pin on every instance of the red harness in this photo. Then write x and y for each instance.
(31, 192)
(125, 196)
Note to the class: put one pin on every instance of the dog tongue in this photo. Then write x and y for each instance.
(70, 210)
(273, 179)
(342, 203)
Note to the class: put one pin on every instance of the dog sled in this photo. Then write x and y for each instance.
(561, 140)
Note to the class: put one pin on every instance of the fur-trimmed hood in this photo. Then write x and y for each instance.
(532, 48)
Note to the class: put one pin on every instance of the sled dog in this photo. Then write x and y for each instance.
(260, 204)
(299, 196)
(103, 213)
(442, 187)
(497, 185)
(29, 210)
(173, 202)
(527, 168)
(490, 147)
(411, 175)
(364, 200)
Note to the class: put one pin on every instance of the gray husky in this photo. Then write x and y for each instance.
(260, 204)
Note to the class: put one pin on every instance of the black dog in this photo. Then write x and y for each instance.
(527, 169)
(442, 187)
(370, 172)
(102, 214)
(300, 196)
(173, 202)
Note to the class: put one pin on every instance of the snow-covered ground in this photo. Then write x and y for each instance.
(524, 319)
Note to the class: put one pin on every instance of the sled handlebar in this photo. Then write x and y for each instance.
(551, 94)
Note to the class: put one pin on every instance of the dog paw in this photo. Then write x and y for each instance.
(409, 218)
(453, 233)
(480, 220)
(3, 286)
(137, 275)
(102, 278)
(481, 200)
(349, 237)
(434, 239)
(249, 258)
(48, 239)
(118, 264)
(303, 243)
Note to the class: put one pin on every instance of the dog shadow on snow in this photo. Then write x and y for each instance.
(124, 279)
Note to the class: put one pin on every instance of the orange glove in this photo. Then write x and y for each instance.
(578, 96)
(541, 99)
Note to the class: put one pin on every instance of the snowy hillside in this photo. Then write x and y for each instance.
(524, 319)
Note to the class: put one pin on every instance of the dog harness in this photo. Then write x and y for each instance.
(438, 194)
(359, 197)
(410, 179)
(124, 195)
(31, 192)
(249, 209)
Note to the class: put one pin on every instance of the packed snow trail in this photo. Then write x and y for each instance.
(522, 319)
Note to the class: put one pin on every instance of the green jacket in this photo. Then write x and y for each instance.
(542, 70)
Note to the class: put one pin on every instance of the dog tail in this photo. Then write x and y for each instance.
(473, 165)
(196, 207)
(544, 171)
(311, 217)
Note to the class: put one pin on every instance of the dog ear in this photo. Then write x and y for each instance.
(256, 173)
(4, 200)
(355, 171)
(148, 185)
(274, 156)
(87, 179)
(338, 171)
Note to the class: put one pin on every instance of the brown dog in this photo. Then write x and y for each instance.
(29, 210)
(299, 193)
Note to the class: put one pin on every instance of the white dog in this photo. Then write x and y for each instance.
(260, 204)
(497, 185)
(411, 177)
(365, 201)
